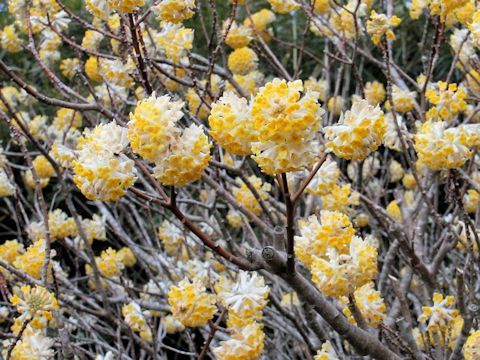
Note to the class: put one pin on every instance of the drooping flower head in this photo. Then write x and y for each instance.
(191, 304)
(341, 274)
(231, 124)
(286, 124)
(358, 133)
(102, 172)
(246, 343)
(441, 148)
(332, 230)
(152, 129)
(369, 302)
(175, 11)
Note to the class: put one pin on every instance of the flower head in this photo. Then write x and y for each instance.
(379, 25)
(284, 6)
(102, 172)
(175, 11)
(441, 148)
(341, 274)
(246, 343)
(358, 133)
(191, 304)
(332, 230)
(231, 124)
(242, 61)
(286, 124)
(441, 314)
(151, 128)
(37, 301)
(248, 292)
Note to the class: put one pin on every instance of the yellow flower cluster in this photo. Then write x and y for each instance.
(242, 61)
(441, 148)
(332, 230)
(91, 40)
(343, 19)
(33, 345)
(175, 40)
(102, 172)
(238, 36)
(335, 105)
(69, 67)
(31, 262)
(59, 225)
(370, 304)
(471, 201)
(339, 261)
(403, 99)
(175, 11)
(186, 159)
(341, 274)
(231, 124)
(151, 128)
(34, 302)
(394, 210)
(126, 6)
(94, 228)
(179, 157)
(191, 304)
(247, 198)
(445, 8)
(259, 23)
(448, 100)
(10, 250)
(110, 263)
(325, 179)
(379, 25)
(117, 72)
(43, 170)
(425, 340)
(92, 69)
(286, 124)
(246, 343)
(9, 40)
(127, 257)
(245, 298)
(441, 315)
(284, 6)
(135, 319)
(471, 349)
(172, 238)
(374, 92)
(358, 133)
(13, 97)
